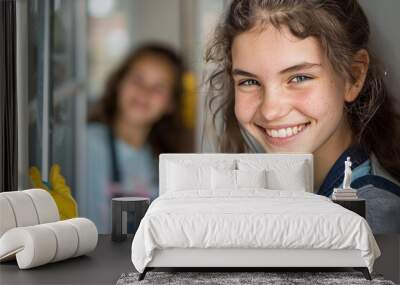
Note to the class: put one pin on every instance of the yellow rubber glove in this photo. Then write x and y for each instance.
(58, 189)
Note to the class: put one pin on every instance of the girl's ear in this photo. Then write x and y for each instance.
(359, 70)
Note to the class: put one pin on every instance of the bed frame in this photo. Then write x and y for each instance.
(248, 259)
(244, 259)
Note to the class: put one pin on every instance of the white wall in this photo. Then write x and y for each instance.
(154, 20)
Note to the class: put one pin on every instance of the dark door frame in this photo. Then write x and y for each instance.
(8, 98)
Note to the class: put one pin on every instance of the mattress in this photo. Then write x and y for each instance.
(250, 218)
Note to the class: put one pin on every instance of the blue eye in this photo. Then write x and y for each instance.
(249, 82)
(300, 78)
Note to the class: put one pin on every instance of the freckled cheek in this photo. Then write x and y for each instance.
(123, 100)
(158, 100)
(127, 88)
(125, 94)
(245, 108)
(319, 105)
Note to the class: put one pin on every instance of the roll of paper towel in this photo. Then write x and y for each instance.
(45, 205)
(23, 208)
(26, 208)
(40, 244)
(7, 217)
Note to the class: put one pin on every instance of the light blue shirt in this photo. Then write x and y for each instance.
(136, 167)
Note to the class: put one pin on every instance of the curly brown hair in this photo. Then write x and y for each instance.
(342, 29)
(164, 133)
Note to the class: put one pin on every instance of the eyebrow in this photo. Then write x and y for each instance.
(300, 66)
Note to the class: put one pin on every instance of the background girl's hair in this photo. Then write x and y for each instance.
(342, 29)
(164, 133)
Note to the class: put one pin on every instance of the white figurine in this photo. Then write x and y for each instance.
(345, 193)
(347, 174)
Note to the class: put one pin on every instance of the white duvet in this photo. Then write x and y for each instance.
(252, 218)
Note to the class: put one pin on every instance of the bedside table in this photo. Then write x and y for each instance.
(357, 206)
(120, 208)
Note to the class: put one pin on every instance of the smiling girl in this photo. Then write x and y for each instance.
(136, 119)
(298, 76)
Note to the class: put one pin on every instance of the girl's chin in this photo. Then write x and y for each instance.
(138, 121)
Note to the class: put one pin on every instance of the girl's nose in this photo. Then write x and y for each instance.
(274, 105)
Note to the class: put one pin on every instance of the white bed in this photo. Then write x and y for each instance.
(195, 223)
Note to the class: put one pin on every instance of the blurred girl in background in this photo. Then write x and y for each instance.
(136, 119)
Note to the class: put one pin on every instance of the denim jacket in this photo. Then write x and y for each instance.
(373, 183)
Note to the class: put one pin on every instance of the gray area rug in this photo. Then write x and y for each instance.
(228, 278)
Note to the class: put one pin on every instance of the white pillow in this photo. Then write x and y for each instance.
(181, 177)
(190, 174)
(223, 179)
(294, 180)
(236, 179)
(251, 178)
(285, 174)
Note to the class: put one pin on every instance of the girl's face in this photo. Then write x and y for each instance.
(146, 92)
(287, 94)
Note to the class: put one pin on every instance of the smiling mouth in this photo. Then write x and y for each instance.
(140, 104)
(281, 134)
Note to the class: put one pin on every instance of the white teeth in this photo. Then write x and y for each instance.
(283, 133)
